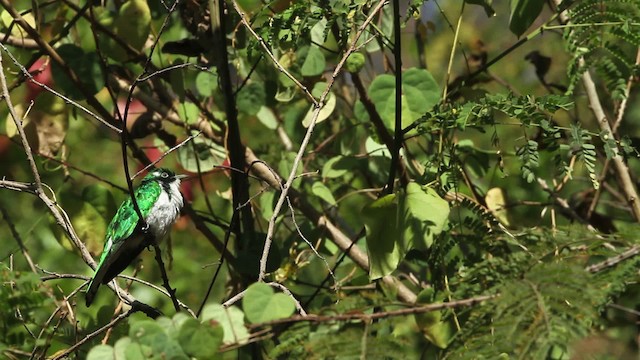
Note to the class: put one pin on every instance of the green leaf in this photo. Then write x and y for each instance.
(231, 319)
(325, 111)
(261, 304)
(381, 222)
(523, 14)
(285, 165)
(323, 192)
(86, 67)
(101, 352)
(285, 93)
(134, 23)
(120, 348)
(385, 28)
(486, 4)
(267, 202)
(327, 108)
(176, 78)
(426, 214)
(314, 62)
(338, 166)
(201, 153)
(200, 340)
(251, 98)
(154, 338)
(207, 82)
(420, 93)
(355, 62)
(178, 319)
(434, 329)
(101, 199)
(318, 31)
(439, 332)
(397, 223)
(188, 112)
(136, 351)
(375, 149)
(146, 331)
(267, 118)
(250, 6)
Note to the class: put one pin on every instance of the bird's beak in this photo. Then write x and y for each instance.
(181, 176)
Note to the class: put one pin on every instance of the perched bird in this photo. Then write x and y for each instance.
(159, 199)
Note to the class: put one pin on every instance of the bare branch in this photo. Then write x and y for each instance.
(379, 315)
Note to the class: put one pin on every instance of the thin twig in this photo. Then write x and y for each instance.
(18, 121)
(112, 323)
(453, 51)
(48, 49)
(153, 163)
(379, 315)
(227, 236)
(165, 278)
(66, 99)
(53, 275)
(16, 235)
(275, 61)
(614, 260)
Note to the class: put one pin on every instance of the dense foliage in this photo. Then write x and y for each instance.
(368, 179)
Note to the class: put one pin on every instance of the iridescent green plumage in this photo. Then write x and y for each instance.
(125, 238)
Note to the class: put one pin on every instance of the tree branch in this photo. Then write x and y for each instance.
(233, 141)
(379, 315)
(287, 185)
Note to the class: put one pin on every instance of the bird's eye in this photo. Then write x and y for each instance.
(165, 175)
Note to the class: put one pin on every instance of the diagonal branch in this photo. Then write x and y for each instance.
(287, 185)
(379, 315)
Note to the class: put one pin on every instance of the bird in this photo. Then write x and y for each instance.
(159, 199)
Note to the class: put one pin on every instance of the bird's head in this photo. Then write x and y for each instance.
(165, 176)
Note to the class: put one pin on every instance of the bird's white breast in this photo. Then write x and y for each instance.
(165, 211)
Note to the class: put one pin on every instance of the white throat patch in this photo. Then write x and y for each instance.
(165, 211)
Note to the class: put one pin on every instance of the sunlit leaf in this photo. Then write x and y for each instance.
(397, 223)
(420, 93)
(261, 304)
(323, 192)
(101, 352)
(199, 154)
(231, 319)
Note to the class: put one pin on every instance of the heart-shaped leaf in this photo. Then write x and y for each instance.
(261, 304)
(420, 93)
(200, 340)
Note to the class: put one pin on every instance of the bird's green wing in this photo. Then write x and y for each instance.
(119, 231)
(126, 219)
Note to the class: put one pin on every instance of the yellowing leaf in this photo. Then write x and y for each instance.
(496, 202)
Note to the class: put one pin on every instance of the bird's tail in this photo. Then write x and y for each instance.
(94, 284)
